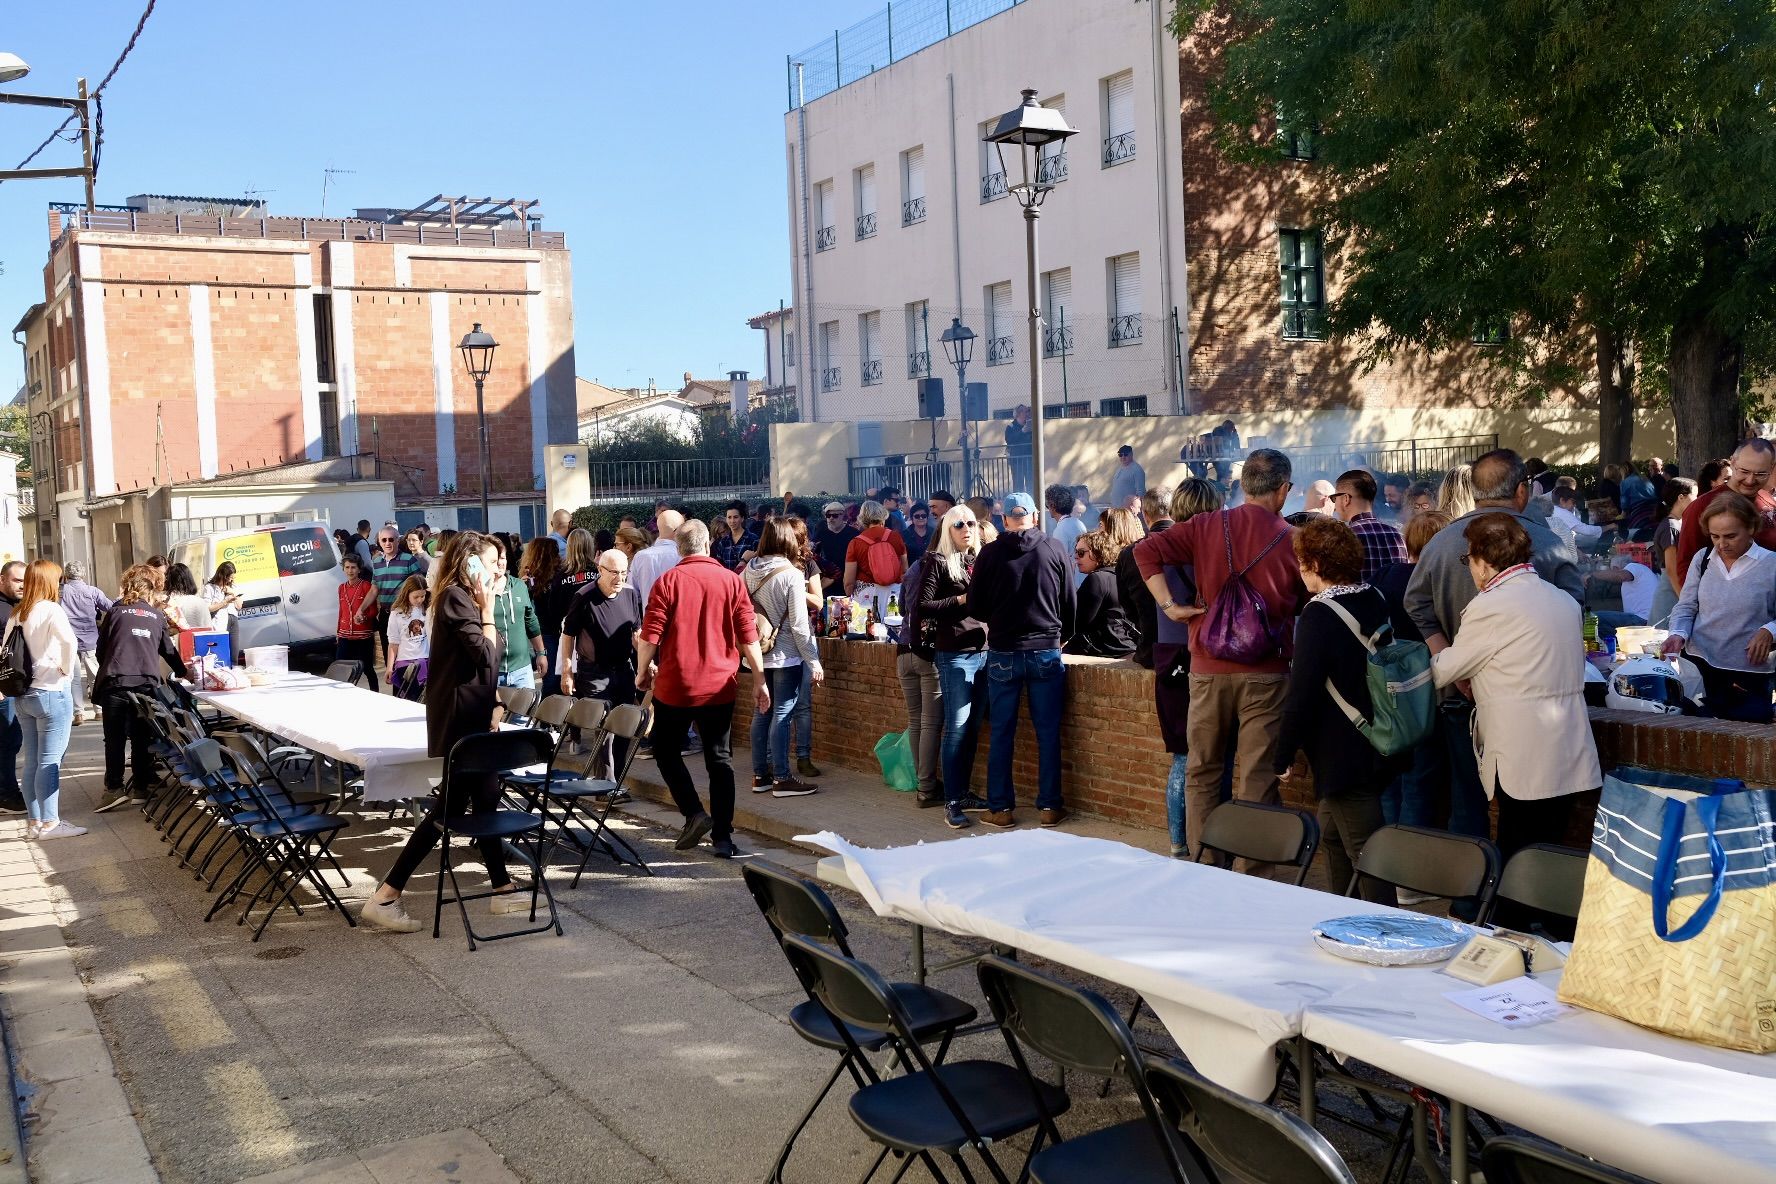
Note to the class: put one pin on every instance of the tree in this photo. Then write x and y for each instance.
(1583, 170)
(15, 437)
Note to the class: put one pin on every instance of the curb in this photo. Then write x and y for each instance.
(13, 1166)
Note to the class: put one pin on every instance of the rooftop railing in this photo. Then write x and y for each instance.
(311, 229)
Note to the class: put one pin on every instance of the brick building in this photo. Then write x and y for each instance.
(183, 346)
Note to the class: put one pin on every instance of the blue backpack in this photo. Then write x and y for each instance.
(1402, 696)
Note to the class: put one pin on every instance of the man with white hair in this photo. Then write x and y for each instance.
(698, 623)
(83, 603)
(652, 562)
(1321, 498)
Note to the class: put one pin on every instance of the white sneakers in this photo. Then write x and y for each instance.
(515, 901)
(56, 830)
(390, 916)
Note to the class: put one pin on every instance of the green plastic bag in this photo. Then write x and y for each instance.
(894, 752)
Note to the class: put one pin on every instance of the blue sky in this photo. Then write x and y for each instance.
(651, 132)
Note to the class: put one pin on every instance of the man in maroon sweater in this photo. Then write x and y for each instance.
(1753, 462)
(1224, 693)
(698, 622)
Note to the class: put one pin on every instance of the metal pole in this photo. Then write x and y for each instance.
(967, 450)
(86, 142)
(486, 464)
(1036, 450)
(890, 34)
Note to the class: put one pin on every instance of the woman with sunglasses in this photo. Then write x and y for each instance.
(917, 534)
(959, 641)
(1104, 628)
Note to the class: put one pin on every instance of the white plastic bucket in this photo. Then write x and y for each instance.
(274, 658)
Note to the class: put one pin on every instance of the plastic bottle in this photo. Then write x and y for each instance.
(1591, 645)
(893, 619)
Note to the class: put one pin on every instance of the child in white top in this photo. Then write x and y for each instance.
(407, 639)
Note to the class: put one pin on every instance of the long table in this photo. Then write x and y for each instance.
(1228, 964)
(383, 735)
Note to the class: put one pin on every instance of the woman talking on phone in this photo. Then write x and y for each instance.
(461, 678)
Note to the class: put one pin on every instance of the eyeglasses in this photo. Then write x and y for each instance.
(387, 538)
(1465, 557)
(612, 571)
(966, 525)
(920, 517)
(1080, 554)
(831, 514)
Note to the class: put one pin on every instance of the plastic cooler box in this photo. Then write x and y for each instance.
(194, 644)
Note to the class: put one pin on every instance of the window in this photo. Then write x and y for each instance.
(323, 327)
(1135, 406)
(1119, 118)
(1304, 285)
(1066, 410)
(992, 171)
(825, 238)
(1051, 159)
(869, 348)
(789, 349)
(863, 183)
(918, 339)
(1125, 300)
(1297, 136)
(912, 186)
(1001, 345)
(1057, 312)
(829, 370)
(1492, 332)
(329, 421)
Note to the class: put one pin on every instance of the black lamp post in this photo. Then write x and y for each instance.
(958, 347)
(477, 351)
(1030, 127)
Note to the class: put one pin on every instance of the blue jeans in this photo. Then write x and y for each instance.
(1407, 799)
(1610, 618)
(959, 680)
(1175, 803)
(12, 738)
(1041, 674)
(524, 676)
(803, 716)
(770, 733)
(1468, 808)
(46, 717)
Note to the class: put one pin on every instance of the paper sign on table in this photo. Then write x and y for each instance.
(1516, 1003)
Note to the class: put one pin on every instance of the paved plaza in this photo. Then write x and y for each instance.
(647, 1044)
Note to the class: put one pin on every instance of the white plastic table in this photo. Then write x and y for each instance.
(383, 735)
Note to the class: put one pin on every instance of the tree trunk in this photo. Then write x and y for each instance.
(1705, 364)
(1616, 369)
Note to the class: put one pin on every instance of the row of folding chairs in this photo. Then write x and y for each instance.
(1190, 1130)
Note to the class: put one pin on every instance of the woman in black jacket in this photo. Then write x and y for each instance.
(460, 697)
(1103, 628)
(135, 640)
(959, 643)
(1349, 775)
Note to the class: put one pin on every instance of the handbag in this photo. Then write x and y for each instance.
(16, 666)
(1238, 627)
(1677, 931)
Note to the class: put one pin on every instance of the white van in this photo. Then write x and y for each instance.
(288, 576)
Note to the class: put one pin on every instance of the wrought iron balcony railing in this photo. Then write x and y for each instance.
(912, 211)
(1125, 330)
(826, 238)
(1001, 350)
(871, 371)
(919, 364)
(992, 187)
(829, 379)
(1119, 148)
(866, 226)
(1057, 340)
(1051, 169)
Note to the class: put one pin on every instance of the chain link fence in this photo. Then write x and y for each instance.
(881, 40)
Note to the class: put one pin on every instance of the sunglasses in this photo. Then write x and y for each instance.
(968, 525)
(920, 517)
(835, 515)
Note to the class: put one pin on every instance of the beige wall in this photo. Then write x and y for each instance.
(811, 457)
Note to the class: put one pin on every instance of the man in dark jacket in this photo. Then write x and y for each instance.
(12, 737)
(134, 642)
(829, 539)
(1024, 581)
(1137, 601)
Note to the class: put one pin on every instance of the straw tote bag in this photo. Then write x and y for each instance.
(1677, 931)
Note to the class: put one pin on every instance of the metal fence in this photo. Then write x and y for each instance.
(881, 40)
(1436, 454)
(920, 474)
(707, 477)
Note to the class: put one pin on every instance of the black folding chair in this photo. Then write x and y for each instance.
(792, 904)
(589, 799)
(490, 754)
(1262, 833)
(517, 701)
(1078, 1030)
(934, 1109)
(346, 670)
(1241, 1139)
(1434, 862)
(1514, 1160)
(1542, 879)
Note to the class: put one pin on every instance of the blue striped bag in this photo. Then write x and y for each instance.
(1678, 927)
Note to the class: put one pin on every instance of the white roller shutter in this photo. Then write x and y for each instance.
(866, 190)
(1119, 104)
(823, 193)
(999, 309)
(1125, 272)
(1058, 297)
(915, 173)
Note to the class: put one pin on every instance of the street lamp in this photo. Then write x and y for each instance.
(958, 347)
(1030, 127)
(477, 351)
(12, 67)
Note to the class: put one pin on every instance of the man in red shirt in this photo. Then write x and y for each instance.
(1224, 692)
(698, 622)
(1753, 462)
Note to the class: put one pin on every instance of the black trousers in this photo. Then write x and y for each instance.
(1741, 695)
(715, 724)
(360, 649)
(124, 725)
(615, 686)
(1522, 824)
(480, 792)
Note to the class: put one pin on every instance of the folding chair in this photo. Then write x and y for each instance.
(794, 904)
(1543, 878)
(347, 670)
(934, 1109)
(546, 716)
(490, 754)
(1514, 1160)
(568, 786)
(1078, 1030)
(517, 701)
(1262, 833)
(1240, 1138)
(1435, 862)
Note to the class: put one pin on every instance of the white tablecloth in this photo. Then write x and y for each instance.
(383, 735)
(1225, 961)
(1228, 964)
(1668, 1109)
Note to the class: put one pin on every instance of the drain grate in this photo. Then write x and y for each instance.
(279, 953)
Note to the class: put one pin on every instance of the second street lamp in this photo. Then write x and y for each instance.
(958, 347)
(1030, 127)
(477, 351)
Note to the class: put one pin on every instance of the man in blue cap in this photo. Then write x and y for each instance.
(1023, 587)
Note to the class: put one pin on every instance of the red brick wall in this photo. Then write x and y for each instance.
(148, 339)
(253, 344)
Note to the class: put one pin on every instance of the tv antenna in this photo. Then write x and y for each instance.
(327, 176)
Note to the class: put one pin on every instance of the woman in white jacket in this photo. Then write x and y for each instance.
(46, 711)
(779, 592)
(1521, 649)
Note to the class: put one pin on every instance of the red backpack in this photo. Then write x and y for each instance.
(881, 563)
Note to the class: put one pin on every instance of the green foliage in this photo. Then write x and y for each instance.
(15, 437)
(1561, 165)
(714, 435)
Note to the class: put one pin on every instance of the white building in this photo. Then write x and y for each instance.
(779, 328)
(900, 219)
